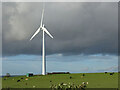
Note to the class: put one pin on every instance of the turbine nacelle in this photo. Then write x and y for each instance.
(42, 27)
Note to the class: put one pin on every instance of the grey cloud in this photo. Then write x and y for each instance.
(87, 28)
(112, 68)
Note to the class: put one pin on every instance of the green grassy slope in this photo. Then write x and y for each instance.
(95, 80)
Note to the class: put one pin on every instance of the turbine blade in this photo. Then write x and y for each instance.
(42, 18)
(47, 32)
(35, 33)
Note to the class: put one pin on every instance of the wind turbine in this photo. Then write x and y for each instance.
(42, 27)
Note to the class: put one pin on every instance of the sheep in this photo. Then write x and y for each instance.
(83, 83)
(22, 78)
(83, 74)
(18, 80)
(87, 82)
(111, 73)
(26, 79)
(25, 83)
(64, 84)
(33, 86)
(70, 77)
(105, 72)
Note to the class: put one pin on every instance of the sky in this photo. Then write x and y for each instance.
(85, 37)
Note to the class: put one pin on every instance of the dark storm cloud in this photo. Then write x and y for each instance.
(87, 28)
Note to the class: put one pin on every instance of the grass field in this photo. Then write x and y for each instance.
(95, 80)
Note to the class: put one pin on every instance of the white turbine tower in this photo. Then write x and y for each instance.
(42, 27)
